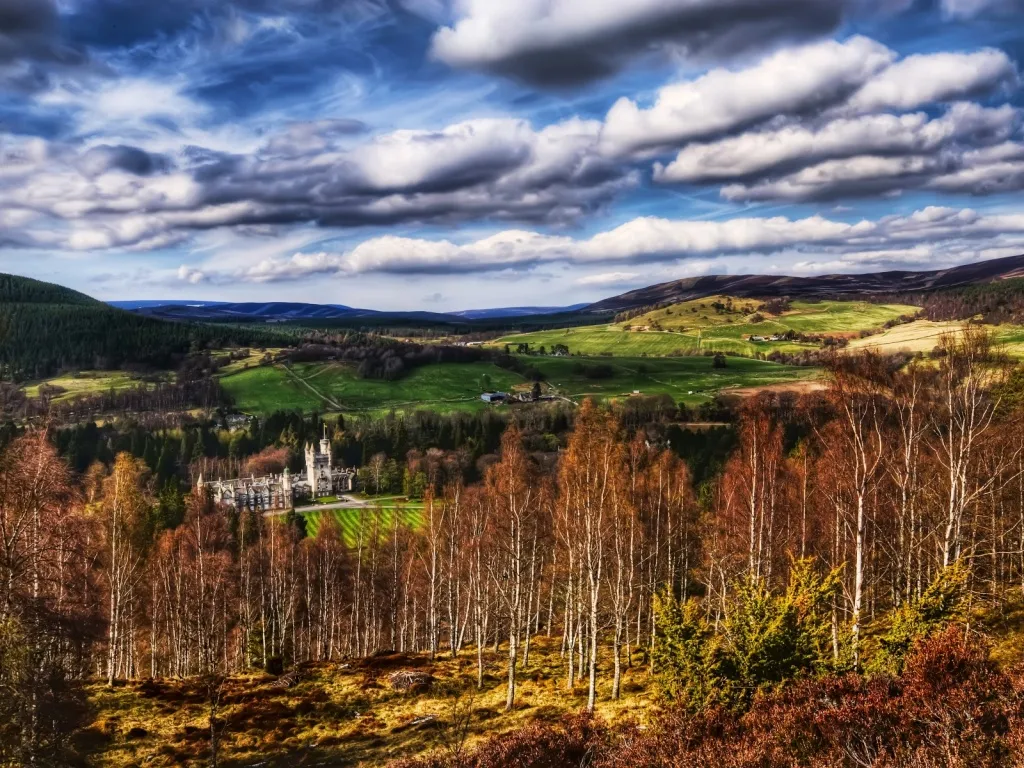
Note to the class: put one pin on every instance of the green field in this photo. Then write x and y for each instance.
(691, 380)
(85, 383)
(716, 324)
(457, 386)
(411, 515)
(336, 387)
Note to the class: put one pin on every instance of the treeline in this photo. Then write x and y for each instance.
(994, 303)
(41, 340)
(872, 506)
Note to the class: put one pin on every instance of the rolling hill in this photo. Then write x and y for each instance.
(822, 286)
(46, 328)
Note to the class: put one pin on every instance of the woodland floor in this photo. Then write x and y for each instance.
(340, 714)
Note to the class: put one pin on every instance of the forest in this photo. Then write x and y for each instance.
(850, 546)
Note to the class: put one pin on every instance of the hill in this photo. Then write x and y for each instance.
(729, 324)
(822, 286)
(46, 328)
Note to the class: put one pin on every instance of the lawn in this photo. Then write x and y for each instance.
(383, 517)
(717, 324)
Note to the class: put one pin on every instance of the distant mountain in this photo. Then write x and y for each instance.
(149, 303)
(278, 311)
(492, 314)
(820, 286)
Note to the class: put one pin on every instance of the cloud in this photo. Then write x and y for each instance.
(935, 77)
(609, 278)
(119, 195)
(858, 76)
(792, 147)
(565, 42)
(31, 45)
(790, 81)
(650, 240)
(965, 9)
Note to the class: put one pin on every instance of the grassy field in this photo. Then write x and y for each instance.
(349, 520)
(717, 324)
(691, 380)
(85, 383)
(451, 386)
(335, 387)
(344, 714)
(924, 336)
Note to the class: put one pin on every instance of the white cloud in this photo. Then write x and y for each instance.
(651, 240)
(608, 278)
(760, 152)
(786, 82)
(934, 77)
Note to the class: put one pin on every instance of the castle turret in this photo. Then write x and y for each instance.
(325, 446)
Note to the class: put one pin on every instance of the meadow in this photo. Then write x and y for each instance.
(336, 387)
(85, 383)
(924, 335)
(716, 324)
(451, 386)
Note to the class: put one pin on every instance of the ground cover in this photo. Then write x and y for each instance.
(342, 714)
(716, 324)
(691, 380)
(352, 519)
(84, 383)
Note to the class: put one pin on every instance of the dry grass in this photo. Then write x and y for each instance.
(344, 714)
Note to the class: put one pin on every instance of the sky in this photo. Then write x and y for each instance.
(461, 154)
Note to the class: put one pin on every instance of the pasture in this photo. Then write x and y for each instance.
(716, 324)
(691, 380)
(336, 387)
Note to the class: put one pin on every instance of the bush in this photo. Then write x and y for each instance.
(766, 640)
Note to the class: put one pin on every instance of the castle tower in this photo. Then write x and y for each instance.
(325, 447)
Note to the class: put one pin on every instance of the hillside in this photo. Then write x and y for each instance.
(45, 328)
(718, 323)
(822, 286)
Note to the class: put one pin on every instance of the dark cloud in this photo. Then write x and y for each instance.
(104, 158)
(563, 44)
(31, 45)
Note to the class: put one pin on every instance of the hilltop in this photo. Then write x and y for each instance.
(822, 286)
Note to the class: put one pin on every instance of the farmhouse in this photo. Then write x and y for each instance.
(281, 491)
(494, 397)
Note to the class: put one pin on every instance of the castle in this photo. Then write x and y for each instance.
(281, 491)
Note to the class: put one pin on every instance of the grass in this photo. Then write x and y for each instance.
(336, 387)
(451, 386)
(716, 324)
(691, 380)
(924, 336)
(350, 519)
(85, 383)
(344, 714)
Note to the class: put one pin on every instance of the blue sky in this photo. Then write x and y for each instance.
(452, 154)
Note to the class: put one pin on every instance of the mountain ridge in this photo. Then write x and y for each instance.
(818, 286)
